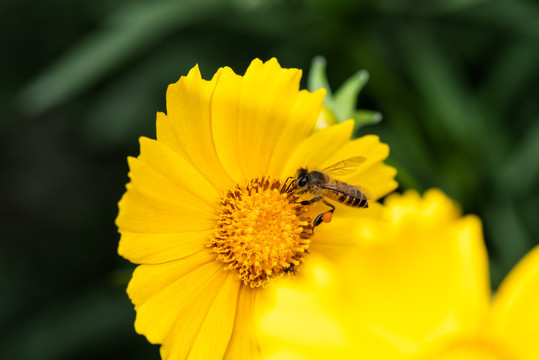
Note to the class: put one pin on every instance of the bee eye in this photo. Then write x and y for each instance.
(302, 181)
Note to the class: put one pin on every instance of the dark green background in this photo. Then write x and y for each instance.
(456, 81)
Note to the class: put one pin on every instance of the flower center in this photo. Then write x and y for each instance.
(261, 233)
(470, 349)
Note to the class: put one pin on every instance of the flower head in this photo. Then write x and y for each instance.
(205, 213)
(417, 289)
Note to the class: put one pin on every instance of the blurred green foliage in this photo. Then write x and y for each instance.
(455, 80)
(342, 104)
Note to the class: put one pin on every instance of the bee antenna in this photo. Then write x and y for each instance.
(286, 185)
(292, 183)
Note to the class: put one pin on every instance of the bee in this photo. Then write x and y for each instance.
(321, 184)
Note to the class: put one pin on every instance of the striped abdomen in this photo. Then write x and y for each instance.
(345, 194)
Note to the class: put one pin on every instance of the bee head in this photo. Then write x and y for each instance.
(302, 178)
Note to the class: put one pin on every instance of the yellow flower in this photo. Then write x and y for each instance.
(325, 119)
(204, 215)
(417, 288)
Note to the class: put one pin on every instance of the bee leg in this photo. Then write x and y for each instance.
(321, 218)
(325, 216)
(289, 269)
(330, 205)
(309, 202)
(317, 221)
(328, 215)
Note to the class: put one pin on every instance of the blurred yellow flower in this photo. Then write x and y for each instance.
(325, 119)
(204, 215)
(417, 288)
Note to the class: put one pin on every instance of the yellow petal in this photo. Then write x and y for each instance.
(297, 324)
(148, 280)
(515, 308)
(412, 281)
(298, 126)
(187, 126)
(373, 176)
(368, 146)
(257, 117)
(287, 354)
(317, 148)
(140, 214)
(166, 195)
(425, 286)
(336, 238)
(186, 294)
(296, 318)
(432, 210)
(147, 248)
(177, 170)
(202, 332)
(166, 134)
(376, 181)
(313, 317)
(244, 343)
(152, 189)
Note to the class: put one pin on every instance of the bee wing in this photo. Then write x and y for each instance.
(339, 187)
(345, 167)
(345, 189)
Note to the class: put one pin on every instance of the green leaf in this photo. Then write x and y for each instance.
(342, 105)
(318, 80)
(366, 117)
(317, 76)
(346, 96)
